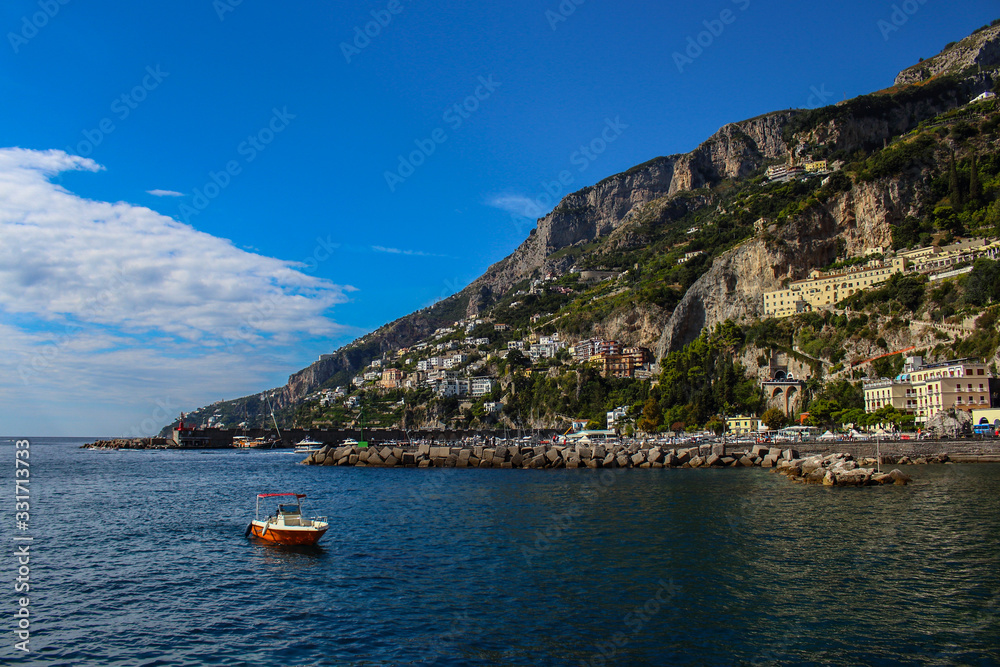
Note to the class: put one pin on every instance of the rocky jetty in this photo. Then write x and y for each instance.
(843, 470)
(128, 443)
(840, 466)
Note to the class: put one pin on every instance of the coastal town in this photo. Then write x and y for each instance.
(461, 361)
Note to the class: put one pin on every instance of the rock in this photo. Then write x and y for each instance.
(696, 462)
(500, 453)
(920, 461)
(774, 452)
(353, 459)
(425, 464)
(745, 461)
(811, 463)
(539, 461)
(638, 458)
(517, 460)
(943, 457)
(768, 461)
(593, 463)
(408, 458)
(728, 461)
(654, 455)
(599, 452)
(622, 461)
(816, 476)
(374, 459)
(552, 455)
(790, 454)
(713, 460)
(899, 478)
(829, 479)
(583, 452)
(683, 456)
(671, 460)
(609, 460)
(424, 450)
(645, 465)
(758, 451)
(904, 460)
(330, 461)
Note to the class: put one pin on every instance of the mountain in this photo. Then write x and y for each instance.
(695, 240)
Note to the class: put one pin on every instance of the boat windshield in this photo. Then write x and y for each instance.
(289, 509)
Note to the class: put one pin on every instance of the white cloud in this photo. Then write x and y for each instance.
(519, 205)
(165, 193)
(397, 251)
(113, 301)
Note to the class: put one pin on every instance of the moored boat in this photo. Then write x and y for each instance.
(307, 446)
(287, 525)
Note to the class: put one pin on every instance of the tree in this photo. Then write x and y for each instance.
(821, 412)
(651, 416)
(517, 358)
(774, 418)
(954, 190)
(975, 187)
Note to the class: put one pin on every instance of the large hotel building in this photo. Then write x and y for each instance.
(825, 289)
(925, 390)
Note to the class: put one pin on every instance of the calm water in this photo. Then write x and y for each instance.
(139, 559)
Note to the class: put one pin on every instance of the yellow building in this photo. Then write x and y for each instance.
(391, 378)
(818, 165)
(826, 289)
(740, 424)
(933, 258)
(925, 390)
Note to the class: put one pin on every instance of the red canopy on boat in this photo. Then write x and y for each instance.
(276, 495)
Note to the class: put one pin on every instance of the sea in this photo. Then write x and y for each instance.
(140, 558)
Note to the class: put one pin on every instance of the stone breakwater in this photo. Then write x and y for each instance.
(128, 443)
(841, 467)
(843, 470)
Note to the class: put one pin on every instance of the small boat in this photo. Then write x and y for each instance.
(287, 525)
(307, 446)
(244, 442)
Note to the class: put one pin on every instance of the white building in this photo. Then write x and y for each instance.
(481, 386)
(451, 387)
(616, 416)
(455, 360)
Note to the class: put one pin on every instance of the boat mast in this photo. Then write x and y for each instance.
(273, 418)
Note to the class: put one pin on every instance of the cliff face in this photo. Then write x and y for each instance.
(595, 212)
(731, 289)
(980, 49)
(398, 334)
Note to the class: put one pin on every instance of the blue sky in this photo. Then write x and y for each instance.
(266, 132)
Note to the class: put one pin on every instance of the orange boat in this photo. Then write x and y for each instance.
(287, 525)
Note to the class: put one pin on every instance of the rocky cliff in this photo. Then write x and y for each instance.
(860, 219)
(733, 152)
(980, 50)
